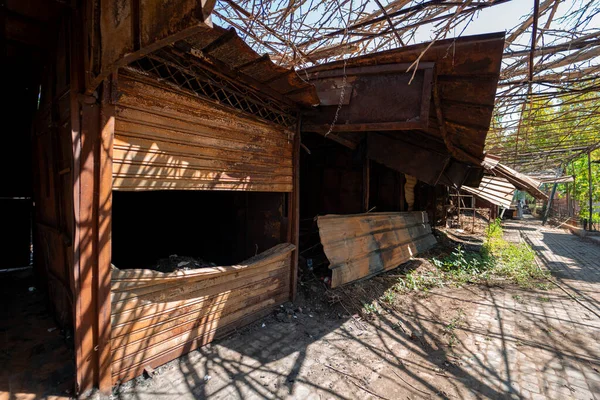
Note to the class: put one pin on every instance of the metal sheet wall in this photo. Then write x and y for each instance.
(166, 138)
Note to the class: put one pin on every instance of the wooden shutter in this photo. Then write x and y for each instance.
(166, 138)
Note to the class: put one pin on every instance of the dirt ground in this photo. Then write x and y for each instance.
(471, 342)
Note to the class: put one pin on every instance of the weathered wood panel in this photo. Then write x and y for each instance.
(363, 245)
(157, 317)
(168, 139)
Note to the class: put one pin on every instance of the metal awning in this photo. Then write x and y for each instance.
(494, 189)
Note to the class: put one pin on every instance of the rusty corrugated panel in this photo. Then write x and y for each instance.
(520, 181)
(168, 139)
(227, 47)
(494, 189)
(362, 245)
(157, 317)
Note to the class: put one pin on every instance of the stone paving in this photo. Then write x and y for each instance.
(471, 342)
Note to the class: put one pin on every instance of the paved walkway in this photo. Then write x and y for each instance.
(471, 342)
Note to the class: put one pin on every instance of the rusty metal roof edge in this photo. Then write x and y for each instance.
(303, 94)
(473, 39)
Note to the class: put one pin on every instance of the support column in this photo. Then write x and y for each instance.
(591, 203)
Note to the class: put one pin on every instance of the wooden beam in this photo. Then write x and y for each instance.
(366, 182)
(120, 37)
(295, 214)
(92, 125)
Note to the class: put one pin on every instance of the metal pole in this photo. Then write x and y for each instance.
(549, 204)
(590, 187)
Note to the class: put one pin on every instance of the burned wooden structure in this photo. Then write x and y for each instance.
(394, 130)
(158, 133)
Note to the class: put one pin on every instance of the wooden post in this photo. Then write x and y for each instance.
(295, 211)
(458, 202)
(590, 189)
(366, 186)
(473, 206)
(92, 129)
(549, 206)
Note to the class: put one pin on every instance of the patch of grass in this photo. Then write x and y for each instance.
(454, 323)
(497, 259)
(543, 299)
(389, 296)
(370, 308)
(517, 298)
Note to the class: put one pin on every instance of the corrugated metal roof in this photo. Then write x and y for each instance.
(227, 47)
(494, 189)
(467, 70)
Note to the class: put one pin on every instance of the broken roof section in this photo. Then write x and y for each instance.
(437, 110)
(224, 48)
(520, 181)
(494, 189)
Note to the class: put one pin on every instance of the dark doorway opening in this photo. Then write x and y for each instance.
(219, 227)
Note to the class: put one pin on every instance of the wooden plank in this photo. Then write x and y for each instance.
(168, 140)
(124, 301)
(363, 245)
(295, 215)
(202, 332)
(159, 316)
(126, 323)
(133, 369)
(276, 253)
(104, 232)
(221, 313)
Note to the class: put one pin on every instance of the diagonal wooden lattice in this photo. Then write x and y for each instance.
(202, 82)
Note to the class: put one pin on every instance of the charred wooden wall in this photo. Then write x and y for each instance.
(166, 138)
(223, 227)
(52, 151)
(157, 317)
(225, 180)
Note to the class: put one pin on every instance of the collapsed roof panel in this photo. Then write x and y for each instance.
(494, 189)
(446, 98)
(362, 245)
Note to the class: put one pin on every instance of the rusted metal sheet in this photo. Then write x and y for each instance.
(224, 48)
(157, 317)
(371, 100)
(407, 157)
(494, 189)
(129, 29)
(362, 245)
(520, 181)
(166, 138)
(465, 86)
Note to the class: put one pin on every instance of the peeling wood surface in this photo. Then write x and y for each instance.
(130, 29)
(157, 317)
(168, 139)
(362, 245)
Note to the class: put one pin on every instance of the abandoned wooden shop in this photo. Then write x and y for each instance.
(391, 140)
(179, 178)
